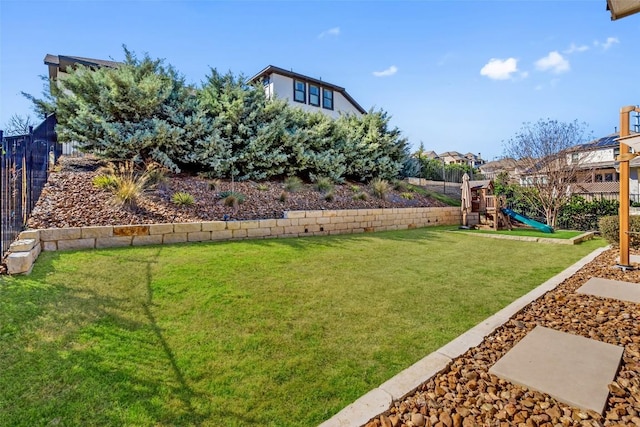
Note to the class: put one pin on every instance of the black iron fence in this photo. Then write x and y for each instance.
(25, 161)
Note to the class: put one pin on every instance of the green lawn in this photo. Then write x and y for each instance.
(267, 332)
(528, 232)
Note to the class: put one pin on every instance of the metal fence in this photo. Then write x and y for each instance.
(24, 168)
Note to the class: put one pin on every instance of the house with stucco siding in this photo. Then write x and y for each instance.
(306, 92)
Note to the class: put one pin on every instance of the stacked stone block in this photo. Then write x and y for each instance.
(294, 224)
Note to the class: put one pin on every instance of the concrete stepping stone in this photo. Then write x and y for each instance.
(616, 289)
(572, 369)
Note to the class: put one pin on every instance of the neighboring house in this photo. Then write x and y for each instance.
(59, 64)
(453, 157)
(306, 92)
(58, 67)
(473, 160)
(492, 169)
(598, 167)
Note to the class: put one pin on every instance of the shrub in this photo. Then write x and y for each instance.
(324, 184)
(283, 196)
(355, 188)
(105, 182)
(293, 184)
(408, 196)
(401, 186)
(330, 196)
(609, 227)
(156, 175)
(214, 184)
(360, 196)
(380, 188)
(127, 183)
(231, 198)
(182, 199)
(580, 214)
(262, 187)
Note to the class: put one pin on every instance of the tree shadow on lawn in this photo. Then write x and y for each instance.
(79, 355)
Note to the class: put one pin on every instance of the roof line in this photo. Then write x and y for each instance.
(273, 69)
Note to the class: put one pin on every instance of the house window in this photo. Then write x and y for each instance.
(327, 99)
(299, 91)
(574, 158)
(314, 95)
(598, 177)
(616, 153)
(608, 177)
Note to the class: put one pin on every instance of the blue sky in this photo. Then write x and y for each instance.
(456, 75)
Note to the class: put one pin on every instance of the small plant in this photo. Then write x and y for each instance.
(262, 187)
(609, 227)
(355, 188)
(232, 199)
(214, 184)
(127, 183)
(401, 186)
(324, 184)
(283, 196)
(156, 175)
(238, 196)
(293, 184)
(330, 196)
(105, 182)
(360, 196)
(408, 196)
(380, 188)
(182, 199)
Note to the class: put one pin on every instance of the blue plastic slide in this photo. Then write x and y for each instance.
(523, 219)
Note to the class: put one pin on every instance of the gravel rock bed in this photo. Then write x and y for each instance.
(464, 394)
(70, 200)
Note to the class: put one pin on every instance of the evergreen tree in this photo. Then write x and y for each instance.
(142, 110)
(370, 148)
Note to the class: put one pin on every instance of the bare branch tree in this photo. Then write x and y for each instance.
(548, 162)
(17, 125)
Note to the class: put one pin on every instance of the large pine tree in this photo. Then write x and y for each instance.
(141, 110)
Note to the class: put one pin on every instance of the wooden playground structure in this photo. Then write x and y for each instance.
(487, 207)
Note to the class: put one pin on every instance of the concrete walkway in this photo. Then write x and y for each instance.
(380, 399)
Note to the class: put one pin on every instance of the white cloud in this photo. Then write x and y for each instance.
(524, 74)
(607, 43)
(575, 48)
(335, 31)
(553, 62)
(500, 69)
(388, 72)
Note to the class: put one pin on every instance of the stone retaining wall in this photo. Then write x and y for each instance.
(294, 224)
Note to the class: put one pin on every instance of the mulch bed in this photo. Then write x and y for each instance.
(70, 200)
(464, 394)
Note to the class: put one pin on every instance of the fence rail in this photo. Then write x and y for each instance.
(24, 167)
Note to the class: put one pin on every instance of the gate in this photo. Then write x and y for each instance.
(24, 168)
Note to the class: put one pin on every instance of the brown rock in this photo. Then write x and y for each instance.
(418, 420)
(554, 413)
(457, 420)
(385, 421)
(395, 420)
(472, 385)
(464, 412)
(445, 419)
(520, 417)
(511, 409)
(468, 422)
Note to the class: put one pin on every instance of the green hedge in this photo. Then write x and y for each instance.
(609, 227)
